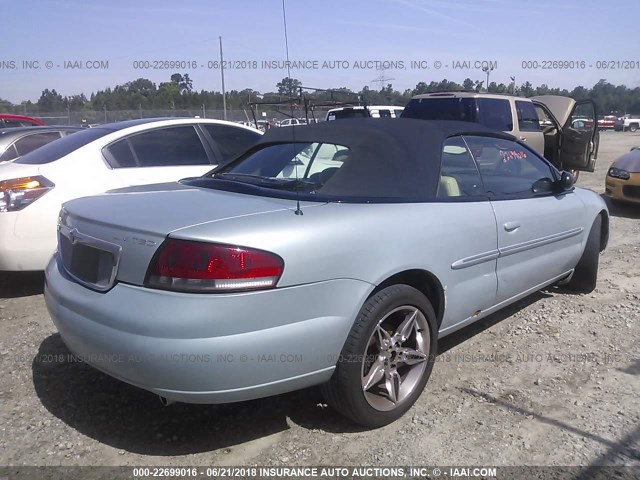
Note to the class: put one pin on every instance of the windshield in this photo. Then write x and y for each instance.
(64, 146)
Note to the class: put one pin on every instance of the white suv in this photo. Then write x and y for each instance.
(375, 111)
(289, 122)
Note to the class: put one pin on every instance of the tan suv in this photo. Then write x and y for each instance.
(561, 129)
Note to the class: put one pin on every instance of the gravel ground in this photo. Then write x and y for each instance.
(559, 384)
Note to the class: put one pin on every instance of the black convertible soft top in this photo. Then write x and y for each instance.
(390, 159)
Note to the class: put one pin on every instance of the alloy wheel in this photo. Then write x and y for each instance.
(395, 358)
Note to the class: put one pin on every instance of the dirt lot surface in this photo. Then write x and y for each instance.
(560, 386)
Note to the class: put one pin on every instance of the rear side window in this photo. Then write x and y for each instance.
(441, 108)
(231, 141)
(459, 176)
(495, 113)
(527, 117)
(120, 155)
(58, 149)
(31, 142)
(492, 112)
(163, 147)
(9, 154)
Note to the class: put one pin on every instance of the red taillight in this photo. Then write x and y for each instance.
(188, 266)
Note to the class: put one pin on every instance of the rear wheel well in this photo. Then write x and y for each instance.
(421, 280)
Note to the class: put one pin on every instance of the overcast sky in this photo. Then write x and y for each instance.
(127, 34)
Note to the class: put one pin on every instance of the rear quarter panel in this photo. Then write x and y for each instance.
(372, 242)
(594, 205)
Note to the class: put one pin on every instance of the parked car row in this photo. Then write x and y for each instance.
(339, 113)
(189, 147)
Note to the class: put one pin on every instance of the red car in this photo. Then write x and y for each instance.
(607, 122)
(8, 120)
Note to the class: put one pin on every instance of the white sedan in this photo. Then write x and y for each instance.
(134, 152)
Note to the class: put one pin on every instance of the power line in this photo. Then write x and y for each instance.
(381, 79)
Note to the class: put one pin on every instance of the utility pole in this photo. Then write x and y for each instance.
(224, 96)
(204, 111)
(104, 107)
(513, 89)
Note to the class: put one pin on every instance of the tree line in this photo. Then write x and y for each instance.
(178, 94)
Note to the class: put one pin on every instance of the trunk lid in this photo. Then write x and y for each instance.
(114, 236)
(17, 170)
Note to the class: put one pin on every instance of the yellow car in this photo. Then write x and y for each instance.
(623, 177)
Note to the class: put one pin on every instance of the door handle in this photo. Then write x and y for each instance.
(523, 139)
(511, 226)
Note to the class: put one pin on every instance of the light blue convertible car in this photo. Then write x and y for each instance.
(333, 254)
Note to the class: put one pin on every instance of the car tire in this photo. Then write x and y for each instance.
(585, 274)
(633, 127)
(387, 358)
(617, 202)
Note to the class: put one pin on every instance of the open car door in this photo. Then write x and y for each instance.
(577, 129)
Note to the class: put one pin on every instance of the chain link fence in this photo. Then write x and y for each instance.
(98, 117)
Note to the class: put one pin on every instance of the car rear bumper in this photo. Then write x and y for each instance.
(625, 190)
(207, 348)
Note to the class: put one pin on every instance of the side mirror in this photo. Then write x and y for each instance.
(542, 186)
(566, 181)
